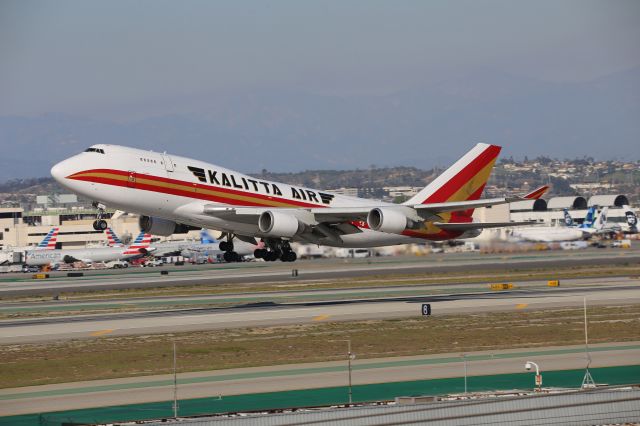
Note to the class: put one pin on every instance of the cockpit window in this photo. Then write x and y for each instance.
(98, 150)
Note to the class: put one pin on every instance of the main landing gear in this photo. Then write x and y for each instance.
(227, 247)
(277, 249)
(99, 224)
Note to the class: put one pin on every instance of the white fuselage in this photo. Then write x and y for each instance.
(98, 254)
(190, 247)
(548, 234)
(176, 188)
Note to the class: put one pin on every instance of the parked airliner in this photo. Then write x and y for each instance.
(169, 191)
(139, 247)
(593, 223)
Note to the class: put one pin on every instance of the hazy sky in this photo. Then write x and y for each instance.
(75, 56)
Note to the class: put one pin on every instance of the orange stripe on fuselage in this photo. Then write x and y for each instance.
(186, 189)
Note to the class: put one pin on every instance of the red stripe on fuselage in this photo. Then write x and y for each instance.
(260, 199)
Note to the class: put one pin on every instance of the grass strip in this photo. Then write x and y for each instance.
(112, 357)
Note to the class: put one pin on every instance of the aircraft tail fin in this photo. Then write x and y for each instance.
(589, 218)
(50, 240)
(632, 219)
(112, 237)
(206, 238)
(464, 180)
(601, 220)
(568, 220)
(140, 244)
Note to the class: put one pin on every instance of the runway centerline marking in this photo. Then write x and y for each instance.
(101, 332)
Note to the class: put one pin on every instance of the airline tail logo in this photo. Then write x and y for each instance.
(632, 219)
(50, 240)
(568, 220)
(140, 245)
(602, 218)
(588, 219)
(465, 180)
(112, 237)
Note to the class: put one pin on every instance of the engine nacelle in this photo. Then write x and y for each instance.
(387, 220)
(279, 224)
(157, 226)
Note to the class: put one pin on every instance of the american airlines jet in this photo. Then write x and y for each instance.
(139, 247)
(169, 191)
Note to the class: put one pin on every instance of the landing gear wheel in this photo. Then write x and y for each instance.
(289, 256)
(226, 245)
(259, 253)
(99, 225)
(271, 256)
(231, 256)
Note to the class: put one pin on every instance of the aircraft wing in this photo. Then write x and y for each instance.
(346, 214)
(313, 215)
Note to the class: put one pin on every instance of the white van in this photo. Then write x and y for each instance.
(354, 253)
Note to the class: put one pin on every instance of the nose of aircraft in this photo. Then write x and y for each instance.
(60, 171)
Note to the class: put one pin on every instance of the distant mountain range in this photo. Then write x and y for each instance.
(281, 130)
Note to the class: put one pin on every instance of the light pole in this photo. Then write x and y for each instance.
(538, 382)
(350, 356)
(175, 383)
(464, 357)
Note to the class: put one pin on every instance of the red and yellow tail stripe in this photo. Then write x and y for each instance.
(465, 184)
(468, 183)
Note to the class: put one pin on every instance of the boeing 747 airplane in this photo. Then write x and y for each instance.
(169, 191)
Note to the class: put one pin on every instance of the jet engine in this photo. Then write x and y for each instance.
(279, 224)
(387, 220)
(158, 226)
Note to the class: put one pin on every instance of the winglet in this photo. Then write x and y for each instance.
(536, 193)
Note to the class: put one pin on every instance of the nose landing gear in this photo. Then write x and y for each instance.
(99, 224)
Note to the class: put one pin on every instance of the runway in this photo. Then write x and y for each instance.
(325, 305)
(304, 376)
(252, 273)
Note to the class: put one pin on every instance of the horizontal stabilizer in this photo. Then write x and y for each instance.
(463, 205)
(478, 225)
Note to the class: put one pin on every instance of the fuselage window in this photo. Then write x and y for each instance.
(97, 150)
(90, 150)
